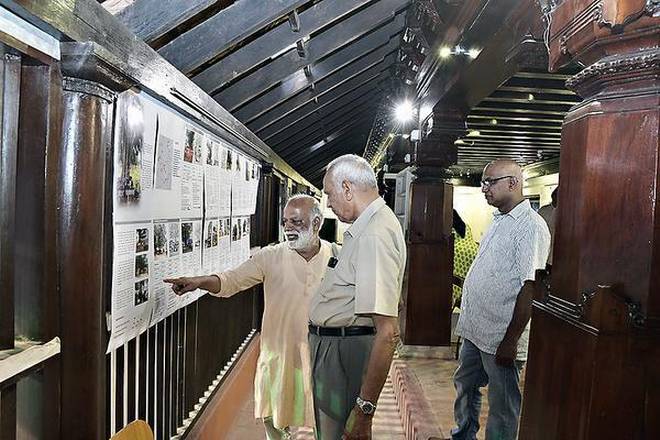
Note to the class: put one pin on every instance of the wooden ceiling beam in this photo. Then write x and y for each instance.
(334, 62)
(318, 46)
(151, 19)
(223, 30)
(319, 94)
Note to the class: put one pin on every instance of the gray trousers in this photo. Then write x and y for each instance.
(338, 365)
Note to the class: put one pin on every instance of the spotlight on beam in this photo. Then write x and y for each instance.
(445, 52)
(404, 112)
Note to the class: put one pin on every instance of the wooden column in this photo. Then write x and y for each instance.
(595, 340)
(86, 140)
(85, 236)
(10, 83)
(426, 319)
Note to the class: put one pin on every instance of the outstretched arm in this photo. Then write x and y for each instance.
(182, 285)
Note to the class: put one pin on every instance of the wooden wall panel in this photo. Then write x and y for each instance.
(600, 320)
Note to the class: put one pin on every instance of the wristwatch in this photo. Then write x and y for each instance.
(365, 406)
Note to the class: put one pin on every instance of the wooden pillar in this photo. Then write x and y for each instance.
(426, 319)
(86, 139)
(10, 78)
(84, 236)
(595, 340)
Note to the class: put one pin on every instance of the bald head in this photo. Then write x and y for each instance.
(505, 167)
(502, 183)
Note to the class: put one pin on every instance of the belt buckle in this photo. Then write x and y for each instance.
(343, 331)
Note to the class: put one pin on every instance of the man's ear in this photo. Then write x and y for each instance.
(347, 190)
(513, 183)
(316, 224)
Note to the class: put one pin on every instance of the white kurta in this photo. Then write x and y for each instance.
(282, 384)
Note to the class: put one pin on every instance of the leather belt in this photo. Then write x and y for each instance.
(355, 330)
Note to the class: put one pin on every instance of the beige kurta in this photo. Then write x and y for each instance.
(282, 384)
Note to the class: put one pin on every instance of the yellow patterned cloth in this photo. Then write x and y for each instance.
(465, 249)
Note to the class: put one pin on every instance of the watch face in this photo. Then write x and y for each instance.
(365, 406)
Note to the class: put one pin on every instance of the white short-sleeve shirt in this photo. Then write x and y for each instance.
(367, 276)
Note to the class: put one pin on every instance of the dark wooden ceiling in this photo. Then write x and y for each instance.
(520, 120)
(305, 76)
(317, 78)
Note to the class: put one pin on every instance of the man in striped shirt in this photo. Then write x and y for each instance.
(496, 307)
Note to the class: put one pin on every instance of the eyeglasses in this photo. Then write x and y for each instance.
(487, 183)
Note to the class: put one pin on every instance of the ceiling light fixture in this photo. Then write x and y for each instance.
(445, 52)
(404, 112)
(473, 53)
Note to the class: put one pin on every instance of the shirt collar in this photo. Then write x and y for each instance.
(517, 211)
(361, 222)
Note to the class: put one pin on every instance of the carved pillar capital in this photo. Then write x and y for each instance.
(588, 31)
(613, 71)
(91, 62)
(441, 130)
(87, 87)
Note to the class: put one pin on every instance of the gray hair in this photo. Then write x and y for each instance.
(353, 169)
(314, 212)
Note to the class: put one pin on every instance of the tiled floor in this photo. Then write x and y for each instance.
(435, 376)
(386, 426)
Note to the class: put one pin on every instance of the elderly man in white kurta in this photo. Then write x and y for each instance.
(290, 272)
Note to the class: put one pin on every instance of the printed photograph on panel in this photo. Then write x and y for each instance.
(160, 241)
(192, 151)
(141, 240)
(141, 266)
(173, 233)
(208, 242)
(141, 292)
(129, 151)
(246, 228)
(212, 153)
(214, 234)
(186, 237)
(236, 230)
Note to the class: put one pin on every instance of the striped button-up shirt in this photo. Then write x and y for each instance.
(513, 248)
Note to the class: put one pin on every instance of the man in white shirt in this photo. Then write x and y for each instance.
(290, 272)
(496, 307)
(354, 325)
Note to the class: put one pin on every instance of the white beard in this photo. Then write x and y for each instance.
(305, 240)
